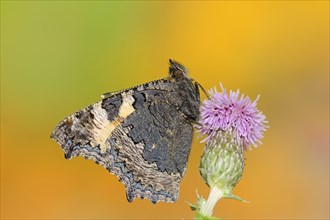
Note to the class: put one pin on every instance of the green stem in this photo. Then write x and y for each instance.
(214, 197)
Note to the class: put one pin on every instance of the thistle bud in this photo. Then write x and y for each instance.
(222, 162)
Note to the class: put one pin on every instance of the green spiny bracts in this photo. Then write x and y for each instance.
(222, 162)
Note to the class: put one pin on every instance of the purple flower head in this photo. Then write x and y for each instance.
(233, 113)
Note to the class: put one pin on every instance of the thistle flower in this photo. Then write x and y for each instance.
(223, 112)
(231, 123)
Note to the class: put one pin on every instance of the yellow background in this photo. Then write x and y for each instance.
(57, 57)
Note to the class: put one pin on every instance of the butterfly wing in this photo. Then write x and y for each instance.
(141, 135)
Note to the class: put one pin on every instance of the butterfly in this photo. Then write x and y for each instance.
(142, 134)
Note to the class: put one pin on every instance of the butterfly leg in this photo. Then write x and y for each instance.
(200, 86)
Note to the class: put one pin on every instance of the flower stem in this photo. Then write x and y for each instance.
(214, 197)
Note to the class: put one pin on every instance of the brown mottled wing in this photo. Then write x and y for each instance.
(140, 135)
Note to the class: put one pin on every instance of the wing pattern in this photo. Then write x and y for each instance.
(142, 135)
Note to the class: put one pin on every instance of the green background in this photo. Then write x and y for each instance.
(59, 56)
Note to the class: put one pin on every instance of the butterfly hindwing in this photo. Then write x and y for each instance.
(153, 150)
(142, 135)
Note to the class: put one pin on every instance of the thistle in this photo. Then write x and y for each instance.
(231, 123)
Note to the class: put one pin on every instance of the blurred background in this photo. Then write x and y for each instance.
(58, 57)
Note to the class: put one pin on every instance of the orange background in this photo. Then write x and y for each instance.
(57, 57)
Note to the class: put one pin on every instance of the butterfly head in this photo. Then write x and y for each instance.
(177, 70)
